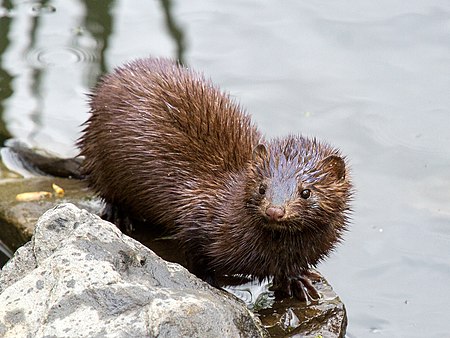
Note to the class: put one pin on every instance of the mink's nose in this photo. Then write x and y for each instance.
(275, 213)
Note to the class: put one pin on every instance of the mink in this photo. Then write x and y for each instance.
(165, 146)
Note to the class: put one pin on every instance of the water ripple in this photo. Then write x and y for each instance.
(57, 56)
(38, 9)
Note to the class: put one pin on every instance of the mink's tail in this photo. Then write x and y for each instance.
(27, 161)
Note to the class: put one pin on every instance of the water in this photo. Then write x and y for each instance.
(370, 77)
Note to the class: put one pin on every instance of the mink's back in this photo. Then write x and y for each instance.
(159, 134)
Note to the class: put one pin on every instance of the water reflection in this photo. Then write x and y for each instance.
(5, 76)
(99, 23)
(36, 73)
(174, 30)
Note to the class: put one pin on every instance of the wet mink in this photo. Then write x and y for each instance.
(165, 145)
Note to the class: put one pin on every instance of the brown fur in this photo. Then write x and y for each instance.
(165, 145)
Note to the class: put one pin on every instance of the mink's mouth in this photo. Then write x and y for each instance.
(284, 224)
(281, 225)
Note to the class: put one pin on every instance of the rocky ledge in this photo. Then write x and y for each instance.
(80, 276)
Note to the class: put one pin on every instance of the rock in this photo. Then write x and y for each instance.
(323, 318)
(80, 276)
(17, 219)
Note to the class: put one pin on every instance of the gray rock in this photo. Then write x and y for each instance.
(80, 276)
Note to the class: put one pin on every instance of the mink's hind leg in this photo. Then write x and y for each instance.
(115, 214)
(300, 286)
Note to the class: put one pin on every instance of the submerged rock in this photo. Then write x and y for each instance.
(80, 276)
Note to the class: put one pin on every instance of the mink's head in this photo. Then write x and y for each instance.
(298, 184)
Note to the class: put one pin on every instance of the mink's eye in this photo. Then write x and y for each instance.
(305, 193)
(262, 189)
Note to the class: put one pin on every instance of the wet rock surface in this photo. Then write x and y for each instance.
(18, 218)
(323, 318)
(80, 276)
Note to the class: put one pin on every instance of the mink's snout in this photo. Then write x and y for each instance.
(275, 212)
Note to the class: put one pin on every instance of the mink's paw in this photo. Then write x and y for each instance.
(116, 215)
(299, 286)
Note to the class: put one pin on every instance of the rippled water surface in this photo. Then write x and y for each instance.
(372, 77)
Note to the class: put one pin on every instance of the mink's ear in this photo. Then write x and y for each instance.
(259, 152)
(334, 166)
